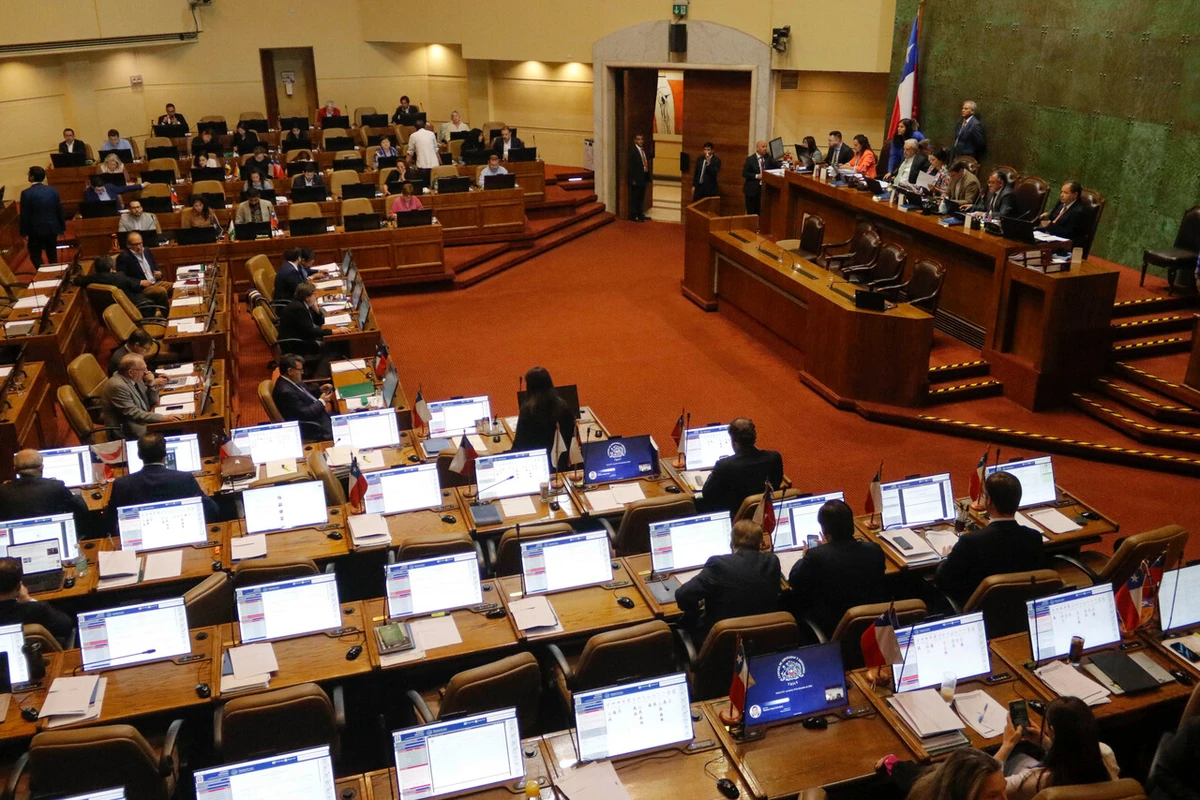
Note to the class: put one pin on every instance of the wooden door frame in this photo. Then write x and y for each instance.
(266, 58)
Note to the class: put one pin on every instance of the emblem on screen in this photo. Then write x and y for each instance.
(790, 669)
(616, 450)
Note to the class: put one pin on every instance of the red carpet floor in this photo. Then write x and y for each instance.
(605, 312)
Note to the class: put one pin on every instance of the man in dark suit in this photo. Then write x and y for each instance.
(838, 575)
(99, 190)
(704, 177)
(310, 177)
(303, 319)
(41, 218)
(70, 144)
(18, 608)
(289, 276)
(171, 118)
(139, 343)
(752, 171)
(30, 495)
(138, 262)
(638, 176)
(969, 136)
(745, 582)
(999, 200)
(736, 477)
(1069, 218)
(1003, 546)
(128, 399)
(912, 165)
(104, 274)
(838, 153)
(505, 142)
(156, 482)
(296, 401)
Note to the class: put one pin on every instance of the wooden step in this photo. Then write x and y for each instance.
(1180, 393)
(973, 390)
(1175, 438)
(1153, 305)
(1149, 326)
(1149, 406)
(953, 372)
(1153, 347)
(587, 222)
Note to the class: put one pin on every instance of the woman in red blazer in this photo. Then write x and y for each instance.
(864, 157)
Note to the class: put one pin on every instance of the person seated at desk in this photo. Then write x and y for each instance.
(296, 401)
(405, 202)
(100, 190)
(29, 494)
(115, 142)
(911, 165)
(841, 573)
(103, 273)
(939, 171)
(111, 165)
(906, 129)
(455, 125)
(139, 343)
(968, 774)
(327, 110)
(863, 161)
(258, 181)
(736, 477)
(999, 201)
(172, 118)
(745, 582)
(303, 319)
(309, 178)
(70, 144)
(543, 416)
(405, 107)
(838, 153)
(156, 482)
(1176, 773)
(396, 174)
(474, 141)
(493, 168)
(18, 608)
(385, 150)
(296, 135)
(138, 220)
(260, 162)
(423, 148)
(506, 142)
(205, 145)
(807, 152)
(138, 262)
(253, 209)
(1069, 218)
(1069, 749)
(290, 275)
(963, 187)
(200, 215)
(1005, 545)
(127, 401)
(244, 139)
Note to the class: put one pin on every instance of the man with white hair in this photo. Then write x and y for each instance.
(423, 147)
(127, 401)
(31, 495)
(969, 137)
(455, 125)
(913, 164)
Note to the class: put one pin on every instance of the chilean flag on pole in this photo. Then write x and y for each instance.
(906, 91)
(1129, 598)
(879, 643)
(742, 679)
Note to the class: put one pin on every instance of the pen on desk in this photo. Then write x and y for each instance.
(983, 713)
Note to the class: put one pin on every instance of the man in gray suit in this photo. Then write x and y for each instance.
(127, 400)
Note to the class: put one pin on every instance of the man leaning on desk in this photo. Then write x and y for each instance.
(745, 582)
(31, 495)
(127, 400)
(156, 482)
(1000, 199)
(296, 401)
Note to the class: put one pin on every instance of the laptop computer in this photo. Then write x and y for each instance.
(71, 465)
(797, 528)
(522, 154)
(298, 775)
(166, 176)
(309, 194)
(289, 145)
(391, 382)
(135, 634)
(285, 506)
(270, 442)
(511, 474)
(401, 489)
(125, 154)
(475, 157)
(455, 756)
(308, 226)
(167, 131)
(149, 238)
(1036, 476)
(1019, 230)
(559, 563)
(680, 545)
(702, 448)
(635, 717)
(162, 525)
(94, 209)
(205, 235)
(419, 185)
(801, 682)
(569, 393)
(364, 190)
(453, 184)
(414, 118)
(374, 120)
(293, 607)
(363, 430)
(101, 794)
(289, 123)
(41, 564)
(249, 231)
(157, 205)
(362, 222)
(1179, 599)
(209, 174)
(335, 121)
(430, 585)
(507, 181)
(620, 459)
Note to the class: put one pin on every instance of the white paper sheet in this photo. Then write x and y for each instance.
(519, 506)
(69, 695)
(337, 321)
(244, 547)
(625, 493)
(1069, 682)
(533, 612)
(115, 563)
(323, 285)
(788, 559)
(926, 712)
(186, 301)
(253, 659)
(985, 715)
(1054, 520)
(370, 459)
(924, 179)
(279, 468)
(90, 713)
(686, 575)
(353, 365)
(602, 500)
(434, 632)
(176, 372)
(179, 408)
(369, 529)
(595, 781)
(163, 564)
(48, 284)
(477, 442)
(941, 541)
(32, 301)
(403, 657)
(920, 550)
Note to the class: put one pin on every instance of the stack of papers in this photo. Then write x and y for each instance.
(519, 506)
(177, 371)
(163, 565)
(353, 365)
(911, 546)
(49, 284)
(187, 325)
(187, 301)
(942, 541)
(431, 633)
(118, 568)
(477, 442)
(279, 468)
(176, 403)
(925, 712)
(1042, 236)
(72, 700)
(533, 612)
(369, 530)
(32, 301)
(337, 321)
(1054, 520)
(248, 667)
(595, 781)
(332, 284)
(981, 712)
(615, 496)
(245, 547)
(1069, 682)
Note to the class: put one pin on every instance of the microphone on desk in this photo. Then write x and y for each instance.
(478, 491)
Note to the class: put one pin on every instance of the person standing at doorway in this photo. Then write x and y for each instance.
(704, 177)
(639, 174)
(756, 163)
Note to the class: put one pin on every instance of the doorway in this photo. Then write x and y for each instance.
(635, 88)
(289, 78)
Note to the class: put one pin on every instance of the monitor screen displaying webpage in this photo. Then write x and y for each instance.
(456, 756)
(1036, 476)
(621, 459)
(36, 529)
(633, 717)
(1053, 621)
(285, 506)
(71, 465)
(392, 491)
(12, 639)
(702, 447)
(183, 454)
(795, 683)
(453, 417)
(274, 441)
(564, 562)
(689, 542)
(931, 649)
(117, 637)
(1179, 598)
(299, 775)
(796, 523)
(511, 474)
(427, 585)
(288, 608)
(366, 429)
(155, 526)
(37, 557)
(917, 501)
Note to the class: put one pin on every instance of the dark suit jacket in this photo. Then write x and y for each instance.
(128, 264)
(736, 477)
(970, 138)
(837, 576)
(298, 402)
(298, 181)
(37, 613)
(1005, 206)
(737, 585)
(41, 211)
(1073, 224)
(753, 184)
(1003, 546)
(179, 120)
(24, 497)
(498, 145)
(155, 483)
(287, 279)
(90, 195)
(705, 186)
(298, 321)
(843, 155)
(412, 109)
(80, 147)
(639, 175)
(200, 148)
(536, 427)
(920, 164)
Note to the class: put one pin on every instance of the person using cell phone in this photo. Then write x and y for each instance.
(1064, 750)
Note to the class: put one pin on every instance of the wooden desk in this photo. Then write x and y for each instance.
(846, 750)
(543, 513)
(412, 526)
(651, 487)
(196, 566)
(28, 415)
(585, 611)
(477, 214)
(399, 400)
(14, 727)
(311, 543)
(1154, 640)
(381, 784)
(68, 334)
(352, 788)
(484, 444)
(678, 772)
(638, 568)
(1091, 530)
(531, 178)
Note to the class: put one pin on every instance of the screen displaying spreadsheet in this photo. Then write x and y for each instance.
(796, 523)
(183, 454)
(917, 501)
(1179, 598)
(794, 683)
(688, 542)
(633, 717)
(102, 794)
(299, 775)
(1090, 613)
(168, 523)
(1036, 476)
(12, 639)
(274, 441)
(433, 584)
(564, 562)
(366, 429)
(458, 755)
(453, 417)
(288, 505)
(392, 491)
(511, 474)
(117, 637)
(702, 447)
(958, 645)
(36, 529)
(71, 465)
(288, 608)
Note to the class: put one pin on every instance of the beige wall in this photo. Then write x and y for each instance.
(852, 102)
(28, 22)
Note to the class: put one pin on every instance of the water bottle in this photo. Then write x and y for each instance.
(33, 657)
(81, 565)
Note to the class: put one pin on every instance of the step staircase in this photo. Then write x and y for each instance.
(968, 380)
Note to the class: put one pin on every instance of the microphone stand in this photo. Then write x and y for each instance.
(522, 559)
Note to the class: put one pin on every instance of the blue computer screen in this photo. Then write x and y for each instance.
(620, 459)
(807, 680)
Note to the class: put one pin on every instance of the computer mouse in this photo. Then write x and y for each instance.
(203, 690)
(334, 535)
(673, 489)
(625, 602)
(1182, 677)
(68, 582)
(413, 458)
(354, 652)
(815, 723)
(728, 788)
(496, 613)
(449, 519)
(29, 714)
(217, 566)
(97, 495)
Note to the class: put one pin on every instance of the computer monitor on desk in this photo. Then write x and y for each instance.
(150, 238)
(391, 382)
(36, 529)
(299, 775)
(687, 543)
(429, 585)
(163, 524)
(1036, 476)
(410, 488)
(522, 154)
(511, 474)
(308, 194)
(118, 637)
(703, 447)
(124, 153)
(1053, 621)
(366, 429)
(795, 683)
(362, 222)
(558, 563)
(453, 184)
(796, 525)
(71, 465)
(308, 226)
(94, 209)
(288, 608)
(620, 459)
(209, 174)
(249, 231)
(270, 442)
(374, 120)
(364, 190)
(412, 119)
(414, 219)
(456, 756)
(458, 415)
(12, 640)
(1179, 597)
(633, 717)
(290, 123)
(64, 160)
(917, 501)
(335, 121)
(288, 145)
(775, 148)
(931, 649)
(507, 181)
(285, 506)
(100, 794)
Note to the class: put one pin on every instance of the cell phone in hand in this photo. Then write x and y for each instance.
(1018, 711)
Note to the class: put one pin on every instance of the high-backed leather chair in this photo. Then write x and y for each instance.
(444, 171)
(1090, 568)
(354, 206)
(971, 163)
(360, 111)
(1010, 173)
(342, 156)
(270, 335)
(446, 477)
(279, 721)
(339, 178)
(1002, 598)
(269, 570)
(1030, 193)
(632, 535)
(245, 115)
(863, 250)
(886, 270)
(856, 620)
(710, 669)
(749, 506)
(1182, 255)
(428, 545)
(82, 425)
(455, 147)
(299, 154)
(812, 237)
(505, 556)
(923, 289)
(38, 633)
(212, 191)
(1094, 202)
(118, 322)
(87, 377)
(262, 261)
(1123, 789)
(268, 401)
(266, 289)
(335, 495)
(210, 602)
(620, 656)
(513, 681)
(164, 164)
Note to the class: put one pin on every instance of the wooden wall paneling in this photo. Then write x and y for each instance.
(716, 108)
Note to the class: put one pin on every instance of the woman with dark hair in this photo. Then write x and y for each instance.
(809, 153)
(474, 140)
(542, 414)
(967, 774)
(199, 215)
(1074, 753)
(864, 157)
(905, 129)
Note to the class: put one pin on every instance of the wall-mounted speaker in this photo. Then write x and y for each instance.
(677, 38)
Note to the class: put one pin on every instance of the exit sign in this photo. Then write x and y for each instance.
(679, 9)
